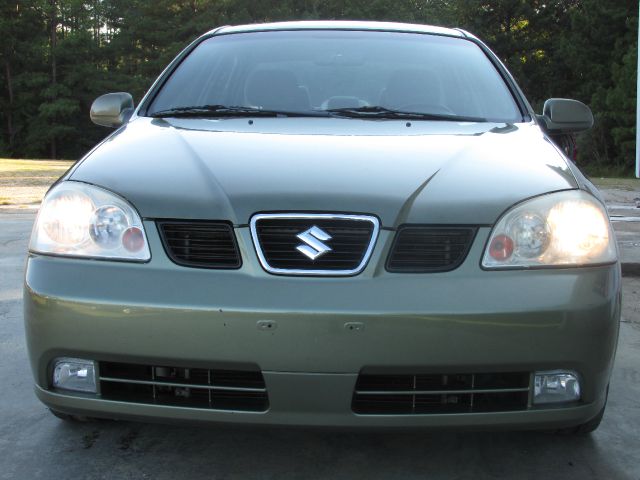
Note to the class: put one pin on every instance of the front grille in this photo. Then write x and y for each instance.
(186, 387)
(200, 244)
(441, 393)
(429, 249)
(345, 252)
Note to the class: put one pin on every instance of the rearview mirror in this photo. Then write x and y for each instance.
(112, 109)
(561, 115)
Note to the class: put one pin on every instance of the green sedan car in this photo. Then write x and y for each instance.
(351, 224)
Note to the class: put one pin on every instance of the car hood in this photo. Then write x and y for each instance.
(403, 172)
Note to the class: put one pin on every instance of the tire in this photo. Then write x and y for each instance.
(590, 426)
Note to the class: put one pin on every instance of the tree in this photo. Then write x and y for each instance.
(58, 55)
(599, 52)
(21, 70)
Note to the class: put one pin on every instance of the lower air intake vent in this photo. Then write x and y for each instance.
(200, 244)
(186, 387)
(441, 393)
(419, 249)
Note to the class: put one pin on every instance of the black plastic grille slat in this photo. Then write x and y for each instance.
(349, 242)
(236, 378)
(440, 393)
(444, 382)
(243, 390)
(200, 244)
(418, 249)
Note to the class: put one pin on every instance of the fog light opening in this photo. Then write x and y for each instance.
(557, 386)
(75, 374)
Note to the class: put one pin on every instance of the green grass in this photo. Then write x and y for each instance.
(608, 171)
(628, 184)
(24, 182)
(10, 168)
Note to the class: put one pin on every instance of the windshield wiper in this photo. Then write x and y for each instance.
(382, 112)
(376, 112)
(228, 111)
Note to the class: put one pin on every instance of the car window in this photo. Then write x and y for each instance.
(313, 70)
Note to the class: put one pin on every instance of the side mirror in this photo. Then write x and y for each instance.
(561, 115)
(112, 109)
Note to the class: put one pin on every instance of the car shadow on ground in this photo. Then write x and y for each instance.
(154, 451)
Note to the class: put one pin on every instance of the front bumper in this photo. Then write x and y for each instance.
(312, 336)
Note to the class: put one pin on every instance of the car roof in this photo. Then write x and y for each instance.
(341, 25)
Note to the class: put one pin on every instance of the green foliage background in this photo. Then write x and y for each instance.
(56, 56)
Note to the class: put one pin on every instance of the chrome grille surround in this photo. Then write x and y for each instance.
(373, 221)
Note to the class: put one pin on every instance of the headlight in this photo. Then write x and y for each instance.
(568, 228)
(80, 220)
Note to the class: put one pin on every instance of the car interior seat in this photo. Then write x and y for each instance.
(276, 90)
(414, 89)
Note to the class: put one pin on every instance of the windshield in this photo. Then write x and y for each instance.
(322, 71)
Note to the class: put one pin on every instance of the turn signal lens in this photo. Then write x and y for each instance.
(569, 228)
(133, 239)
(501, 247)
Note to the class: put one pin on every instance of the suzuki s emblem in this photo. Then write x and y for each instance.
(313, 246)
